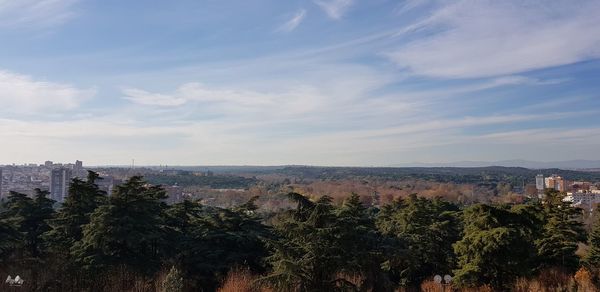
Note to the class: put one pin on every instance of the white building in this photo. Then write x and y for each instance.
(583, 199)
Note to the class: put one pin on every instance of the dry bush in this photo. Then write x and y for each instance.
(584, 280)
(241, 280)
(431, 286)
(548, 280)
(484, 288)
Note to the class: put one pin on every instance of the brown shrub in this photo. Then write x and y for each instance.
(241, 280)
(584, 280)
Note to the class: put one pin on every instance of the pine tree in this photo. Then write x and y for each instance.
(9, 236)
(219, 240)
(83, 199)
(173, 282)
(593, 257)
(363, 247)
(29, 216)
(561, 233)
(127, 231)
(427, 229)
(495, 249)
(306, 254)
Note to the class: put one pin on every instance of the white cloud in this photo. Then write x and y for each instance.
(335, 8)
(294, 22)
(409, 5)
(22, 94)
(35, 13)
(471, 39)
(146, 98)
(562, 136)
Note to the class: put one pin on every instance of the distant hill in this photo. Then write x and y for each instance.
(567, 164)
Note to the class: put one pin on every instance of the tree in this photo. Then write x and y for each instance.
(306, 254)
(561, 233)
(212, 241)
(29, 216)
(173, 281)
(83, 199)
(9, 236)
(427, 228)
(593, 257)
(363, 247)
(125, 232)
(495, 249)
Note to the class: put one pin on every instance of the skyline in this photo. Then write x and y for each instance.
(339, 82)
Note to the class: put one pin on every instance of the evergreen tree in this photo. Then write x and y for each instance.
(593, 257)
(363, 247)
(306, 256)
(29, 217)
(9, 236)
(125, 232)
(561, 233)
(495, 249)
(173, 281)
(83, 199)
(212, 241)
(427, 228)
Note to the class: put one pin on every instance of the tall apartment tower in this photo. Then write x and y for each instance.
(78, 164)
(59, 183)
(540, 185)
(1, 178)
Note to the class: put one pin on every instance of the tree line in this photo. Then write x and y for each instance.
(125, 240)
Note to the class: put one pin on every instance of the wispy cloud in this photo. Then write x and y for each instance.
(471, 39)
(23, 94)
(294, 22)
(35, 13)
(408, 5)
(335, 8)
(146, 98)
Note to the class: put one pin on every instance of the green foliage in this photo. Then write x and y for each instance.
(363, 248)
(496, 247)
(207, 242)
(29, 216)
(83, 199)
(215, 182)
(593, 257)
(427, 228)
(173, 282)
(127, 231)
(316, 246)
(306, 256)
(561, 233)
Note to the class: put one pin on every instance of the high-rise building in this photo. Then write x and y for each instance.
(48, 163)
(59, 183)
(539, 182)
(556, 182)
(540, 185)
(1, 178)
(78, 168)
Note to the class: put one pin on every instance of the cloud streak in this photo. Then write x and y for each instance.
(294, 22)
(335, 9)
(474, 39)
(22, 94)
(35, 13)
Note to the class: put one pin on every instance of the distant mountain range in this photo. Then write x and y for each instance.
(567, 164)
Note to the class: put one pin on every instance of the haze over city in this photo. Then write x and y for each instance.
(323, 82)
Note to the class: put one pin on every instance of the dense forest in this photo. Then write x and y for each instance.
(459, 175)
(131, 240)
(189, 179)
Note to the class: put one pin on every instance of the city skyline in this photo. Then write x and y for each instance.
(324, 82)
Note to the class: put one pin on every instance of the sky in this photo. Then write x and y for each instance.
(313, 82)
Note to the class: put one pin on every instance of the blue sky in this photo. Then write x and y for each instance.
(320, 82)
